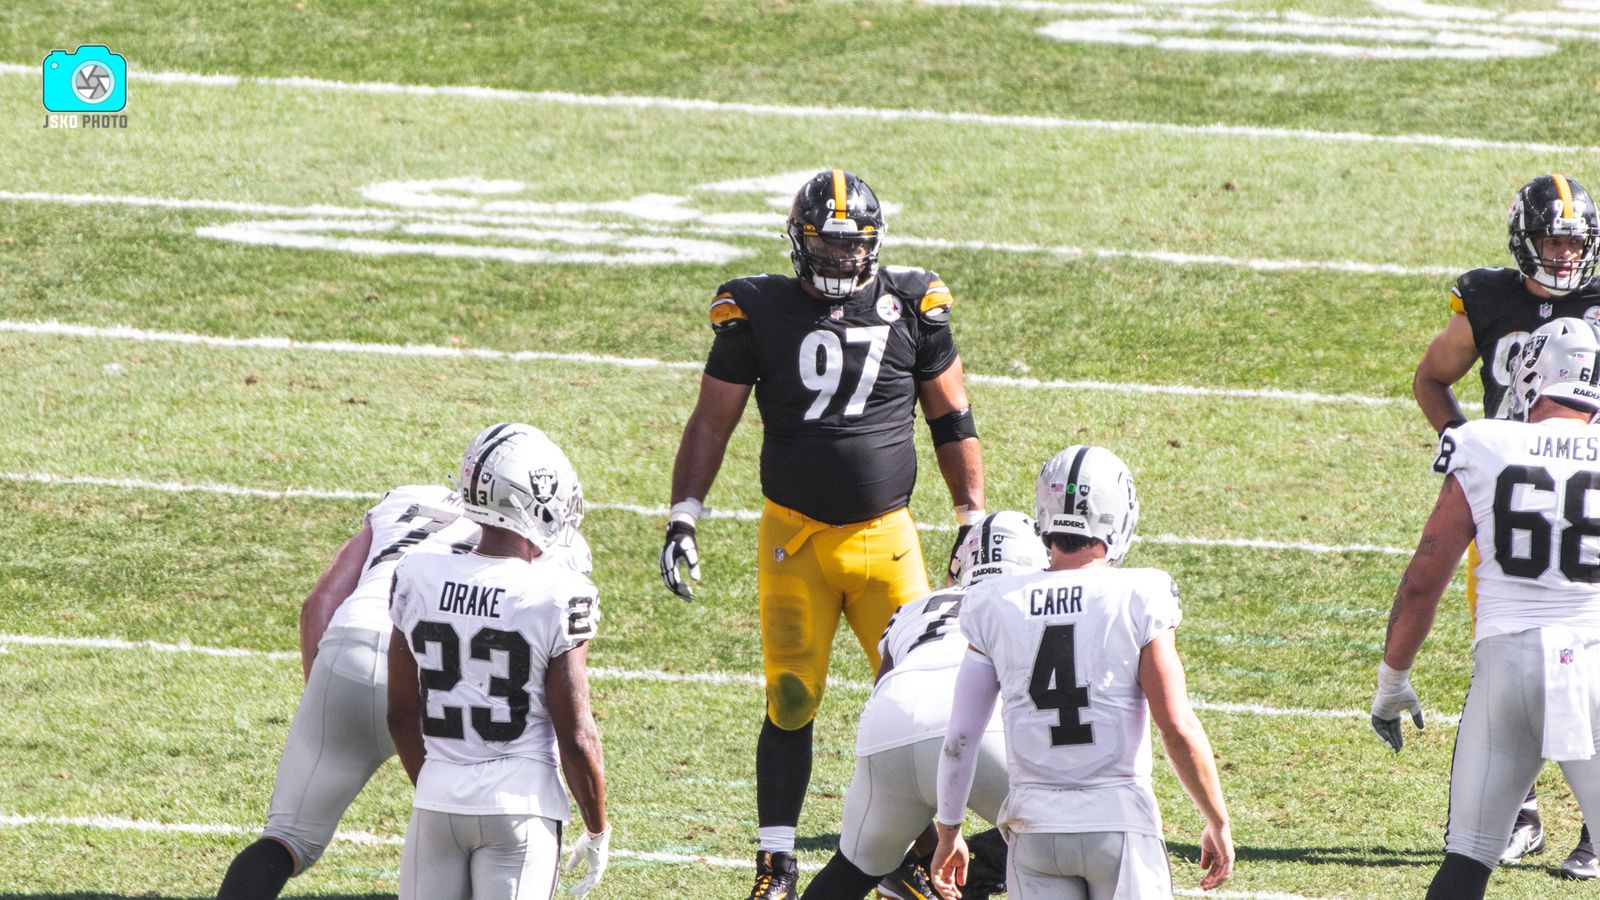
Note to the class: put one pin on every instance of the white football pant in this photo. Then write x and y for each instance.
(891, 799)
(449, 856)
(1499, 747)
(1090, 865)
(339, 738)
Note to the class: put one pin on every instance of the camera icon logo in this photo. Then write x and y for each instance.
(90, 79)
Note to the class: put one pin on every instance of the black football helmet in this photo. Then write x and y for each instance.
(1554, 206)
(835, 228)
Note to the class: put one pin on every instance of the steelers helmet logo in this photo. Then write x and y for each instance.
(92, 82)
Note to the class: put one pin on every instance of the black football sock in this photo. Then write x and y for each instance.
(1459, 878)
(259, 872)
(783, 771)
(1583, 835)
(840, 880)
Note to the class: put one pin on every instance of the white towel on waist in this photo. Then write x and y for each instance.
(1568, 732)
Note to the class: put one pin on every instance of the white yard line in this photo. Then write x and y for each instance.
(114, 823)
(832, 113)
(125, 333)
(602, 673)
(743, 515)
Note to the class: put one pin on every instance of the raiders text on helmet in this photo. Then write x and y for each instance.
(514, 477)
(1088, 491)
(835, 229)
(1004, 543)
(1554, 206)
(1559, 361)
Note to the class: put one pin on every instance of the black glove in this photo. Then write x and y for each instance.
(955, 553)
(680, 549)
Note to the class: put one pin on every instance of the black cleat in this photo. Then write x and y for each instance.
(777, 875)
(909, 882)
(1581, 864)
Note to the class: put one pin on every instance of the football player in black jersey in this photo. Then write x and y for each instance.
(838, 357)
(1554, 236)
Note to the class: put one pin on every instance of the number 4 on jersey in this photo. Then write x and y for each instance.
(1055, 686)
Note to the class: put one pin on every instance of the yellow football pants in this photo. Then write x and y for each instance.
(810, 573)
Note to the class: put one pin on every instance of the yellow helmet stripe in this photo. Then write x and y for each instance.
(839, 211)
(1565, 190)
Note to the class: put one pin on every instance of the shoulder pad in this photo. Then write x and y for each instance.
(923, 291)
(725, 312)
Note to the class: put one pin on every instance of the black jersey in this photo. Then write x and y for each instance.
(1502, 314)
(836, 383)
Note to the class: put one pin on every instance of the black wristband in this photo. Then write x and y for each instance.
(1452, 424)
(952, 427)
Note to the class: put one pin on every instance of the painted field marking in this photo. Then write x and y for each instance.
(323, 221)
(114, 823)
(1411, 31)
(660, 512)
(32, 70)
(602, 673)
(125, 333)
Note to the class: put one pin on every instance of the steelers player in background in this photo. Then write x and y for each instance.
(838, 357)
(1554, 236)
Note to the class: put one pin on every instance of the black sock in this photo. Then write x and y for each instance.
(259, 872)
(1459, 878)
(783, 771)
(1583, 836)
(840, 880)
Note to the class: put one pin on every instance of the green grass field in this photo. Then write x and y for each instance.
(228, 327)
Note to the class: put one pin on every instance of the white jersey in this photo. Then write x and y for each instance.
(1534, 490)
(483, 631)
(404, 518)
(1065, 646)
(912, 702)
(428, 516)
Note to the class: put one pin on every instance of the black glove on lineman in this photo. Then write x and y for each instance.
(680, 549)
(955, 553)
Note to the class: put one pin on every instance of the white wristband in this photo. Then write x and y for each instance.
(1392, 679)
(686, 511)
(966, 515)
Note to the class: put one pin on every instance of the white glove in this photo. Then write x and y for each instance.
(1394, 697)
(594, 849)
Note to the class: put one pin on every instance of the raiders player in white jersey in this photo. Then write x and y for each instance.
(891, 798)
(1525, 490)
(1082, 656)
(488, 687)
(339, 737)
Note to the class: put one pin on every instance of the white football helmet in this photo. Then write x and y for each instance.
(516, 478)
(1087, 491)
(1559, 360)
(1004, 543)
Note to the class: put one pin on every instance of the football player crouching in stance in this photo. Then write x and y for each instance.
(1082, 656)
(488, 687)
(1535, 691)
(338, 739)
(891, 800)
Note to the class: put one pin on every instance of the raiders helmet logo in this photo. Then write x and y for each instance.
(544, 485)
